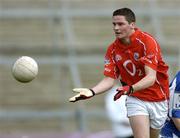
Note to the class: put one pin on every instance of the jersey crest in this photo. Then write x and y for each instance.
(118, 58)
(136, 56)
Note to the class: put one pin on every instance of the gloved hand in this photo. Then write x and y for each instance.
(124, 90)
(83, 93)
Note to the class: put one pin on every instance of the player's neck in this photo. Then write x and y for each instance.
(125, 41)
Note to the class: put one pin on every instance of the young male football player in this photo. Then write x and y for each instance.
(135, 58)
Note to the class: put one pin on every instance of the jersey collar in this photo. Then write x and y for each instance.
(132, 37)
(135, 34)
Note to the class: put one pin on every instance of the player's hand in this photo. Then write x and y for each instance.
(83, 93)
(125, 90)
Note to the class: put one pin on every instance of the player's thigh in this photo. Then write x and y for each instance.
(154, 133)
(138, 116)
(140, 126)
(158, 114)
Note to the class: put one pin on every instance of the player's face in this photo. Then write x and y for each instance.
(122, 28)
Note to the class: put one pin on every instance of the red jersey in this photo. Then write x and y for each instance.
(127, 63)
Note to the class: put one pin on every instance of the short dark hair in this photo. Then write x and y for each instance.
(128, 13)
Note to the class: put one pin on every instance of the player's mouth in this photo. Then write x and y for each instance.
(117, 33)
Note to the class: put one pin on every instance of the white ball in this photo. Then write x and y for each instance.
(25, 69)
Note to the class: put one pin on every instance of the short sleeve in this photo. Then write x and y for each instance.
(110, 68)
(151, 52)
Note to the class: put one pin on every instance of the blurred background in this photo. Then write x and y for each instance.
(68, 39)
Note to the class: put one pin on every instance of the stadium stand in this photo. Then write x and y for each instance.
(68, 38)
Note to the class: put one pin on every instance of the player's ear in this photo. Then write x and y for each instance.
(132, 24)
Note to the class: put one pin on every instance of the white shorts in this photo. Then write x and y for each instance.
(157, 111)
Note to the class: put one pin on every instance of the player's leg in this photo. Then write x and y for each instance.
(154, 133)
(140, 126)
(158, 116)
(138, 117)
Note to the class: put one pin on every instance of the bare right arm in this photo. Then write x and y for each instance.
(104, 85)
(85, 93)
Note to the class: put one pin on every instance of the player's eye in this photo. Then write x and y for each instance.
(120, 24)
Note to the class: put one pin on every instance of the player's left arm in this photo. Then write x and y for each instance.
(176, 122)
(150, 61)
(147, 81)
(144, 83)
